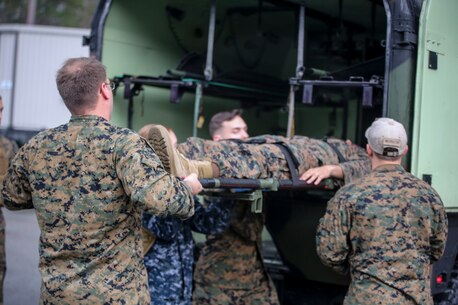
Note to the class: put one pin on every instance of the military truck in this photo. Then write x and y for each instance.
(321, 68)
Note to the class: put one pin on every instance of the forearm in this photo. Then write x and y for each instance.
(332, 236)
(169, 196)
(164, 228)
(214, 217)
(331, 253)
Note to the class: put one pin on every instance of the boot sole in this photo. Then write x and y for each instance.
(159, 138)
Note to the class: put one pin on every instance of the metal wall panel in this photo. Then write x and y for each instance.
(434, 144)
(7, 58)
(40, 52)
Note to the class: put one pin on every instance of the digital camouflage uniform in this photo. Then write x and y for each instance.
(386, 230)
(89, 182)
(170, 261)
(7, 150)
(230, 269)
(239, 159)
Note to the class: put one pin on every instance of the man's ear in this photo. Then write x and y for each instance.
(405, 150)
(369, 150)
(216, 137)
(104, 90)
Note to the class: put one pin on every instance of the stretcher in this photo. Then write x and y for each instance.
(251, 190)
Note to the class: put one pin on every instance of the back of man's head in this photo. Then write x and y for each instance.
(387, 138)
(78, 83)
(228, 125)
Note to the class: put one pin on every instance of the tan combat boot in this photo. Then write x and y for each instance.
(174, 162)
(203, 169)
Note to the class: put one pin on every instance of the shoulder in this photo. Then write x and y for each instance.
(124, 134)
(128, 143)
(119, 136)
(109, 131)
(7, 144)
(415, 183)
(45, 136)
(356, 189)
(354, 186)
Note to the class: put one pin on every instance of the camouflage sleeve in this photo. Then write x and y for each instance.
(16, 192)
(147, 183)
(213, 217)
(332, 235)
(439, 230)
(193, 148)
(357, 164)
(164, 228)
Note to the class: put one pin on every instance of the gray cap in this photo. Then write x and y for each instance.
(387, 137)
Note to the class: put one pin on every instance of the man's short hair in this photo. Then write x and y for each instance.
(78, 82)
(218, 119)
(387, 138)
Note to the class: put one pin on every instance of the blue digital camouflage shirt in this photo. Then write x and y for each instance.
(89, 183)
(170, 261)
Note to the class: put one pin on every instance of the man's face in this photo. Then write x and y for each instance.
(233, 129)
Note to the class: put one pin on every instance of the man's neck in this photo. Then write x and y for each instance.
(379, 162)
(96, 112)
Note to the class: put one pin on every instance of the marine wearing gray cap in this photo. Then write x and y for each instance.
(387, 137)
(385, 229)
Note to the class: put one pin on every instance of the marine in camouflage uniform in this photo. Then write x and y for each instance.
(230, 268)
(7, 150)
(257, 158)
(170, 261)
(89, 183)
(386, 230)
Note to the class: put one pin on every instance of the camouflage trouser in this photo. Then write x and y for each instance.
(2, 255)
(364, 292)
(260, 295)
(264, 160)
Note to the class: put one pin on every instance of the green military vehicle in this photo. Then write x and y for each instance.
(321, 68)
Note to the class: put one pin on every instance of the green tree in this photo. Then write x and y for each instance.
(13, 11)
(67, 13)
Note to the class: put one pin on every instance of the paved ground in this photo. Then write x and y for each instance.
(22, 282)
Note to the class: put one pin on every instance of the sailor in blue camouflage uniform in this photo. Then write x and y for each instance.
(170, 260)
(89, 183)
(169, 257)
(385, 229)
